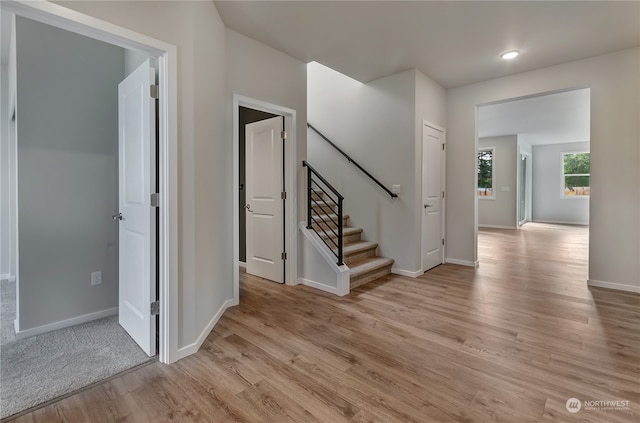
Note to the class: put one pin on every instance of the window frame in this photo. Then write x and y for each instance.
(493, 174)
(563, 176)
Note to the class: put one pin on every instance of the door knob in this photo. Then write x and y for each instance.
(248, 207)
(117, 216)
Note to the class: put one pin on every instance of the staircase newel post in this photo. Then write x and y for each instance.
(340, 231)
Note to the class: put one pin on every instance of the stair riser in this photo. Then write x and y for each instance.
(370, 276)
(325, 209)
(349, 239)
(322, 225)
(359, 256)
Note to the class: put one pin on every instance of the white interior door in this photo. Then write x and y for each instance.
(264, 217)
(432, 197)
(136, 162)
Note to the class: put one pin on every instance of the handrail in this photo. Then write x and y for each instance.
(323, 224)
(350, 160)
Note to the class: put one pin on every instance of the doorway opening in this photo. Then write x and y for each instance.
(269, 121)
(80, 133)
(539, 173)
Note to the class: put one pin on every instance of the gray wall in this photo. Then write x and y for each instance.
(501, 211)
(548, 203)
(67, 164)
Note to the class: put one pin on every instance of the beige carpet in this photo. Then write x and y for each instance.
(44, 367)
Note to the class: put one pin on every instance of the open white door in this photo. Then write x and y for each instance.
(432, 197)
(137, 217)
(263, 161)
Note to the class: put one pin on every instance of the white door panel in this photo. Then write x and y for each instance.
(136, 163)
(432, 201)
(263, 195)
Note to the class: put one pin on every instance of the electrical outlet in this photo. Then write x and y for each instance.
(96, 278)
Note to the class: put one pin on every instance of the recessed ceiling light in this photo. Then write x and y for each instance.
(510, 54)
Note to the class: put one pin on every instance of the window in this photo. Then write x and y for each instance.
(485, 173)
(575, 175)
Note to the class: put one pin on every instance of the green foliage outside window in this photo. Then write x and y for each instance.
(485, 172)
(576, 174)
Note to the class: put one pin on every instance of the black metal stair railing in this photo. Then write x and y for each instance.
(322, 201)
(350, 160)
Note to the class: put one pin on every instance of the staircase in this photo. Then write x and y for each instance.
(360, 256)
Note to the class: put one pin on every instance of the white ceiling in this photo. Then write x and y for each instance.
(549, 119)
(454, 43)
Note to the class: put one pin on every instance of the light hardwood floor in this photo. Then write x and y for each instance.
(510, 341)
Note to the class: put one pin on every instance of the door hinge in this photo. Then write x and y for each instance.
(442, 147)
(155, 200)
(442, 241)
(442, 194)
(283, 256)
(155, 308)
(283, 195)
(154, 91)
(283, 135)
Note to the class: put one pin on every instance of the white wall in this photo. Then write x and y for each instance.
(376, 124)
(501, 210)
(549, 205)
(205, 231)
(615, 174)
(67, 92)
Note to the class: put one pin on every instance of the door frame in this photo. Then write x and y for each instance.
(290, 184)
(443, 185)
(76, 22)
(528, 188)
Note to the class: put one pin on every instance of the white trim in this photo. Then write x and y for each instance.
(70, 20)
(7, 277)
(462, 262)
(408, 273)
(614, 285)
(38, 330)
(561, 222)
(291, 181)
(318, 285)
(242, 265)
(187, 350)
(496, 226)
(343, 286)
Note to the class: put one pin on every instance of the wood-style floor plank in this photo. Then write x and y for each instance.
(510, 341)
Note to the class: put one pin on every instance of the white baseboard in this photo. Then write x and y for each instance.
(614, 285)
(65, 323)
(408, 273)
(7, 277)
(496, 226)
(462, 262)
(193, 348)
(561, 222)
(318, 285)
(242, 265)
